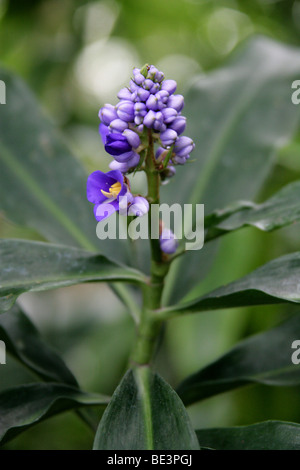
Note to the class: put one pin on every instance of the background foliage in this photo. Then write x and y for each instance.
(75, 55)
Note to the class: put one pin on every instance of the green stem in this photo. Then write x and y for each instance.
(149, 326)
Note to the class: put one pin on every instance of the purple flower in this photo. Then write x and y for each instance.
(139, 206)
(148, 102)
(168, 241)
(103, 131)
(105, 190)
(116, 144)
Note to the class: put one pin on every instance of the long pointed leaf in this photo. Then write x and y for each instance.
(280, 210)
(265, 358)
(36, 266)
(24, 406)
(268, 435)
(23, 341)
(145, 413)
(272, 283)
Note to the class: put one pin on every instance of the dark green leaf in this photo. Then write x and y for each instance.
(238, 116)
(274, 282)
(269, 435)
(265, 358)
(24, 406)
(23, 341)
(145, 413)
(280, 210)
(36, 266)
(41, 184)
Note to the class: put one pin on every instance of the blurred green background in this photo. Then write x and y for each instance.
(75, 56)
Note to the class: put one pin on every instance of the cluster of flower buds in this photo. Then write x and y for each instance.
(147, 111)
(110, 192)
(149, 102)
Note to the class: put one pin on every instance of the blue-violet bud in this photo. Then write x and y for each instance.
(176, 102)
(118, 125)
(169, 85)
(169, 115)
(138, 77)
(117, 144)
(125, 166)
(178, 124)
(183, 146)
(107, 114)
(168, 241)
(168, 137)
(124, 94)
(139, 206)
(132, 138)
(125, 110)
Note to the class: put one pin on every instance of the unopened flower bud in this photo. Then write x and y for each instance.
(138, 77)
(125, 110)
(125, 166)
(178, 124)
(155, 88)
(155, 74)
(168, 137)
(107, 114)
(139, 206)
(140, 94)
(124, 202)
(132, 138)
(148, 84)
(162, 97)
(176, 102)
(152, 103)
(168, 241)
(169, 115)
(103, 131)
(118, 125)
(183, 146)
(117, 144)
(124, 94)
(179, 160)
(169, 85)
(140, 109)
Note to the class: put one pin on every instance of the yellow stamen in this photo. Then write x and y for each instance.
(113, 190)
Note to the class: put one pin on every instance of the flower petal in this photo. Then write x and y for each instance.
(102, 211)
(97, 181)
